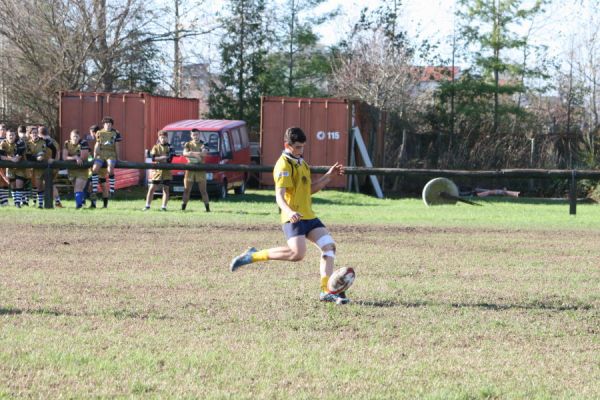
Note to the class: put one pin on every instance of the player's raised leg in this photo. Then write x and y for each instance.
(294, 251)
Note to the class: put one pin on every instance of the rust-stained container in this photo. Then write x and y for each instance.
(325, 121)
(138, 116)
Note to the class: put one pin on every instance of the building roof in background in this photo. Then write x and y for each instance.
(432, 73)
(213, 125)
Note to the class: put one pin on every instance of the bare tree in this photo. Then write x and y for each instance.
(46, 47)
(118, 27)
(55, 45)
(376, 72)
(379, 72)
(184, 23)
(588, 66)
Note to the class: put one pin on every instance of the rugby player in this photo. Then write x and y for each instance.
(40, 149)
(76, 149)
(293, 191)
(14, 149)
(161, 152)
(106, 153)
(195, 150)
(54, 156)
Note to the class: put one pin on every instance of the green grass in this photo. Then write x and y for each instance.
(453, 302)
(258, 207)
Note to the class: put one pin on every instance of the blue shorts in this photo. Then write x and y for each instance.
(301, 228)
(104, 163)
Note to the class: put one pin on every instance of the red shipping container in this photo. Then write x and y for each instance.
(326, 123)
(138, 116)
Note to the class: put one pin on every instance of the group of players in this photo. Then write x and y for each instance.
(33, 143)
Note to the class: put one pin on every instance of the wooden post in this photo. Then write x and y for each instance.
(573, 195)
(48, 187)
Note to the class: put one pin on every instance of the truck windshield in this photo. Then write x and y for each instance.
(178, 139)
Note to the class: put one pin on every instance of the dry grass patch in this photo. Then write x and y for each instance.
(143, 311)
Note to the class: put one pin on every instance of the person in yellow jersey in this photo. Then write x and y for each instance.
(195, 150)
(40, 149)
(44, 133)
(161, 152)
(14, 149)
(76, 149)
(106, 153)
(293, 191)
(24, 134)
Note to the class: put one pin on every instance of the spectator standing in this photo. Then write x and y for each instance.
(161, 152)
(195, 150)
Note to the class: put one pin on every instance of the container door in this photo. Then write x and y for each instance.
(325, 123)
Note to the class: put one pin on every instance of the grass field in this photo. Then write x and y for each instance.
(453, 302)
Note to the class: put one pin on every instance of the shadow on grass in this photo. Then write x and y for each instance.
(118, 314)
(41, 311)
(266, 196)
(391, 303)
(532, 306)
(486, 306)
(269, 198)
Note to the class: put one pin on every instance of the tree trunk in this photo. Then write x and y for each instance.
(400, 159)
(242, 59)
(107, 78)
(496, 72)
(177, 67)
(291, 53)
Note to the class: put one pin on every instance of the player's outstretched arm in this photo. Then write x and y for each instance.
(336, 169)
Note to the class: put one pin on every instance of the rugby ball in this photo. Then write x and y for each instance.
(341, 280)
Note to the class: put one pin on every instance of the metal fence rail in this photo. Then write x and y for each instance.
(525, 173)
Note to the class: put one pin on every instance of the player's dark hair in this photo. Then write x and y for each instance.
(195, 130)
(94, 128)
(294, 135)
(21, 129)
(43, 130)
(75, 131)
(107, 120)
(162, 133)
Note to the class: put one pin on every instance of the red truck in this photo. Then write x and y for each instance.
(227, 142)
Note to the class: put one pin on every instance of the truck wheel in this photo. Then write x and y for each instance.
(241, 189)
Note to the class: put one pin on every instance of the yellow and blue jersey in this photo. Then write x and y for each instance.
(75, 149)
(107, 143)
(294, 175)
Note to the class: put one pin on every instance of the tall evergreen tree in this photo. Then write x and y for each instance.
(299, 67)
(236, 93)
(488, 26)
